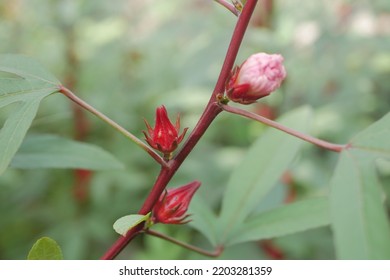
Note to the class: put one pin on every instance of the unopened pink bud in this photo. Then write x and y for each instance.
(257, 77)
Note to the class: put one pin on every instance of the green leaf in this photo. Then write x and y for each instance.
(25, 86)
(26, 67)
(45, 249)
(259, 172)
(375, 139)
(125, 223)
(295, 217)
(203, 219)
(359, 221)
(50, 151)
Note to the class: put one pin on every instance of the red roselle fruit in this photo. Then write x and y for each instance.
(164, 137)
(173, 204)
(257, 77)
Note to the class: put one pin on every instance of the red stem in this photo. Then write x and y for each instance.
(217, 251)
(211, 111)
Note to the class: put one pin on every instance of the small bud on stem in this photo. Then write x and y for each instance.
(172, 205)
(257, 77)
(165, 136)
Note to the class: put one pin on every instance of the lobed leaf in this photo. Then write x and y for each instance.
(203, 219)
(50, 151)
(287, 219)
(25, 83)
(359, 221)
(375, 139)
(259, 172)
(25, 67)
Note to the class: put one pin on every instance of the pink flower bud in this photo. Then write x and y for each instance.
(257, 77)
(165, 136)
(172, 205)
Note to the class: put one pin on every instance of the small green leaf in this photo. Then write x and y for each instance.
(287, 219)
(25, 86)
(50, 151)
(258, 173)
(359, 221)
(45, 249)
(125, 223)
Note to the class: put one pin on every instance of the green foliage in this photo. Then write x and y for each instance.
(50, 151)
(126, 59)
(291, 218)
(125, 223)
(204, 219)
(45, 249)
(27, 84)
(258, 173)
(359, 220)
(374, 140)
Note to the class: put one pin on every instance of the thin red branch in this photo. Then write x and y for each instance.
(69, 94)
(321, 143)
(217, 252)
(211, 111)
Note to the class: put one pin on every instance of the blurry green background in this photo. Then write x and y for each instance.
(128, 57)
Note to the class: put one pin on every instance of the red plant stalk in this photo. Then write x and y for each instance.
(211, 111)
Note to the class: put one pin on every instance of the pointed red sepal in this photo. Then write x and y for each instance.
(164, 136)
(173, 204)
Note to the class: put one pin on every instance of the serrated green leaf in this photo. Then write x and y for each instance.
(30, 85)
(258, 173)
(203, 219)
(359, 221)
(45, 249)
(375, 139)
(125, 223)
(50, 151)
(287, 219)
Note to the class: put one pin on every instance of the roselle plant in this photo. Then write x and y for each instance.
(360, 227)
